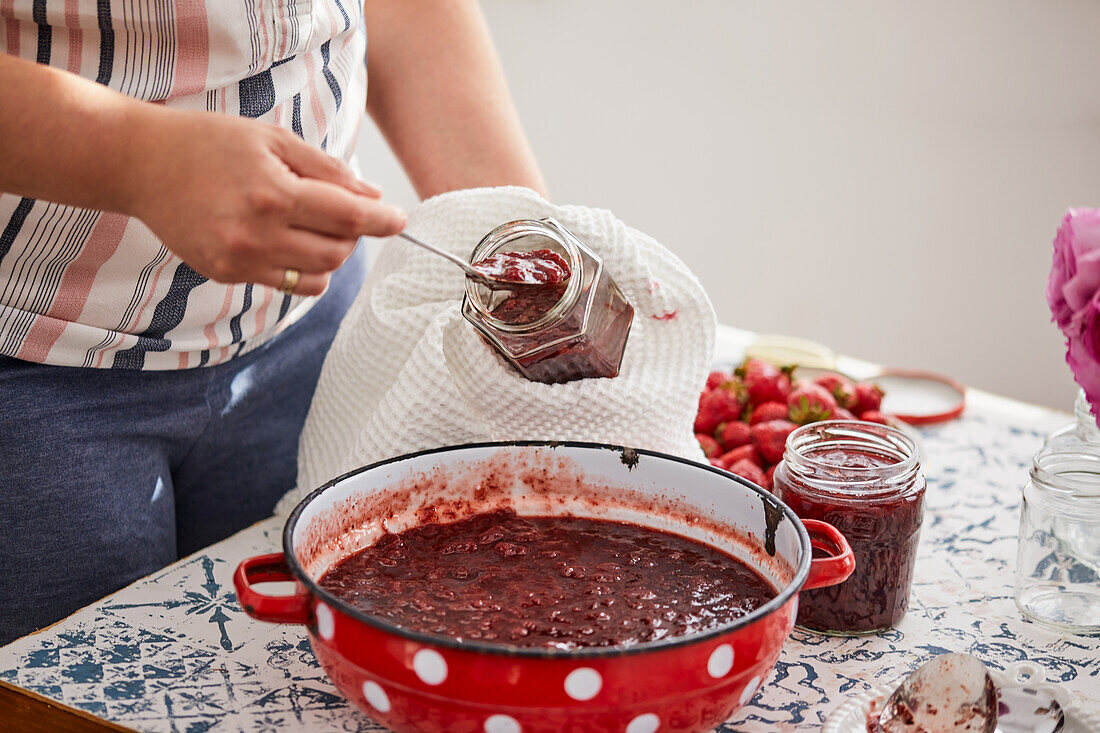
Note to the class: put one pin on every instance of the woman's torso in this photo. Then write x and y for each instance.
(98, 289)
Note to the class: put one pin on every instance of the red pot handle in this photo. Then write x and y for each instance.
(834, 569)
(295, 609)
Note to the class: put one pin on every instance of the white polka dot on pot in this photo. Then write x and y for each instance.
(583, 683)
(721, 661)
(430, 666)
(326, 624)
(750, 690)
(502, 724)
(646, 723)
(376, 696)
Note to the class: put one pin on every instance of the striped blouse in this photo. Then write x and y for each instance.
(96, 289)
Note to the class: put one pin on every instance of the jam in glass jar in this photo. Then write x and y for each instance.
(865, 479)
(560, 331)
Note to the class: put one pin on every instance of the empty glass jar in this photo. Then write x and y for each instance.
(1058, 556)
(575, 330)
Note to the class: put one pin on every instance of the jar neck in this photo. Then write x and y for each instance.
(853, 459)
(1068, 470)
(528, 234)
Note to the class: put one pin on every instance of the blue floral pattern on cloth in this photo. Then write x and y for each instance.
(174, 651)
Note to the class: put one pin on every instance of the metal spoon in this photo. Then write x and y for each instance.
(952, 692)
(485, 278)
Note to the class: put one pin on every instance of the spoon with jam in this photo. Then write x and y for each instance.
(952, 692)
(508, 270)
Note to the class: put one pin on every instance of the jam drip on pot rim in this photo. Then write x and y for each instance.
(559, 582)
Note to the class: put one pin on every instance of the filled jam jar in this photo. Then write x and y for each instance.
(564, 330)
(865, 479)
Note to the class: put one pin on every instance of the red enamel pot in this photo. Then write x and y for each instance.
(412, 681)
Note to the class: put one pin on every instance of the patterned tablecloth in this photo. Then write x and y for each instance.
(174, 651)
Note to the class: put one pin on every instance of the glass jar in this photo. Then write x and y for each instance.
(1083, 428)
(556, 333)
(1058, 555)
(865, 479)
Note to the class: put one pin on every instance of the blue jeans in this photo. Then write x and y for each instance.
(108, 475)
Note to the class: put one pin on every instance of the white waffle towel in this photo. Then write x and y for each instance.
(407, 372)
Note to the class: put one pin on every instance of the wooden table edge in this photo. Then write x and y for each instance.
(34, 713)
(41, 714)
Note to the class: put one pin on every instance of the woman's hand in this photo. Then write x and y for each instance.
(236, 199)
(242, 201)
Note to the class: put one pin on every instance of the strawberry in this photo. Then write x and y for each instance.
(770, 438)
(764, 382)
(717, 379)
(768, 411)
(716, 406)
(743, 453)
(716, 462)
(842, 414)
(868, 397)
(710, 446)
(839, 386)
(733, 434)
(810, 403)
(873, 416)
(769, 478)
(749, 470)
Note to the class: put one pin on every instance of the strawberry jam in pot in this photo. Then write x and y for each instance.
(556, 582)
(570, 328)
(865, 479)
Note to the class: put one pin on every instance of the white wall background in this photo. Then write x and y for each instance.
(882, 177)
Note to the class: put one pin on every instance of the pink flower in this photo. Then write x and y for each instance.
(1073, 294)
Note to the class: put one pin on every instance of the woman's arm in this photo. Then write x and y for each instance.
(438, 95)
(238, 200)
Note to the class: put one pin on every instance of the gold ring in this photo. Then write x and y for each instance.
(290, 281)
